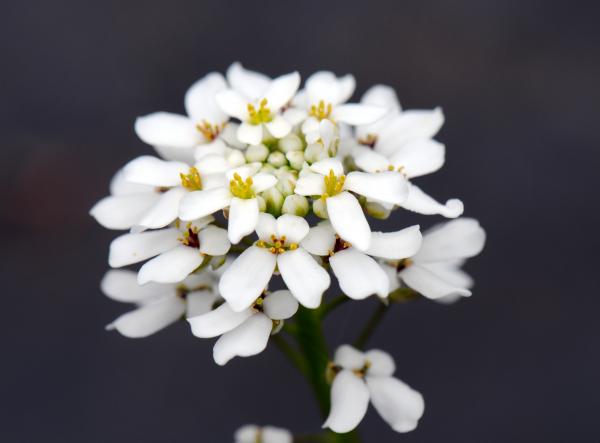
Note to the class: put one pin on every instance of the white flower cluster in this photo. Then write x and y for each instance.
(302, 169)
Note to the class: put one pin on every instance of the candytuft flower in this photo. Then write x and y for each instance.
(262, 434)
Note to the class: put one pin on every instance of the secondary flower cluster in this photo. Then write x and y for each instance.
(263, 178)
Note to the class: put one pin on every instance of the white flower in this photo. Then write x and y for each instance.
(159, 305)
(278, 245)
(175, 136)
(177, 251)
(435, 270)
(263, 434)
(324, 96)
(359, 275)
(261, 113)
(239, 195)
(246, 332)
(251, 85)
(369, 376)
(344, 211)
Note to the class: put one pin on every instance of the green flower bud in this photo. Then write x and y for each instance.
(277, 159)
(262, 205)
(315, 152)
(296, 159)
(295, 205)
(320, 208)
(257, 153)
(377, 210)
(273, 200)
(290, 142)
(236, 158)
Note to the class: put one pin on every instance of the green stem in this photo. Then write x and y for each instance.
(294, 356)
(326, 309)
(371, 326)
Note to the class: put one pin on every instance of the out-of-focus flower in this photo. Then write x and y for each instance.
(263, 434)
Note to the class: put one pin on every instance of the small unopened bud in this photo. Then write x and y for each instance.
(217, 261)
(320, 208)
(262, 205)
(315, 152)
(257, 153)
(236, 158)
(296, 159)
(277, 159)
(377, 210)
(290, 142)
(273, 200)
(295, 205)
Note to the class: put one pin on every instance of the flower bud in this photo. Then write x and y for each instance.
(257, 153)
(273, 201)
(262, 205)
(377, 210)
(277, 159)
(320, 208)
(296, 159)
(315, 152)
(290, 142)
(236, 158)
(295, 205)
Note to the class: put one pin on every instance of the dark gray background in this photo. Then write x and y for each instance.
(519, 83)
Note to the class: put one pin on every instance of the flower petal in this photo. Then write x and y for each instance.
(148, 170)
(122, 212)
(250, 338)
(349, 357)
(218, 321)
(349, 402)
(169, 153)
(247, 277)
(249, 133)
(310, 184)
(396, 245)
(456, 239)
(303, 276)
(280, 305)
(278, 127)
(202, 203)
(428, 284)
(281, 90)
(272, 434)
(320, 239)
(149, 318)
(386, 187)
(251, 84)
(348, 220)
(419, 157)
(213, 241)
(381, 363)
(422, 203)
(397, 403)
(292, 227)
(120, 186)
(121, 285)
(324, 85)
(167, 129)
(324, 167)
(371, 161)
(133, 248)
(243, 217)
(356, 114)
(200, 103)
(171, 266)
(233, 104)
(211, 164)
(358, 274)
(382, 96)
(199, 302)
(263, 181)
(164, 211)
(266, 226)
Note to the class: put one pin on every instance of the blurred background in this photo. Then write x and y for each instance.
(519, 84)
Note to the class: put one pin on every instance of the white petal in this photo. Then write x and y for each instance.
(320, 239)
(212, 181)
(243, 217)
(349, 402)
(243, 282)
(149, 318)
(392, 274)
(422, 203)
(148, 170)
(303, 276)
(386, 187)
(169, 153)
(294, 228)
(396, 245)
(199, 302)
(460, 238)
(310, 184)
(216, 147)
(358, 274)
(211, 164)
(171, 266)
(371, 161)
(280, 305)
(348, 220)
(355, 114)
(250, 338)
(279, 127)
(266, 226)
(263, 181)
(249, 133)
(451, 273)
(428, 284)
(349, 357)
(276, 435)
(324, 85)
(310, 125)
(324, 167)
(120, 186)
(218, 321)
(382, 96)
(121, 285)
(281, 90)
(247, 434)
(419, 157)
(244, 171)
(213, 241)
(382, 363)
(251, 84)
(166, 129)
(164, 211)
(202, 203)
(233, 104)
(397, 403)
(295, 116)
(122, 212)
(200, 103)
(133, 248)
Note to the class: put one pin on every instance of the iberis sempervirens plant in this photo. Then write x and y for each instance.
(259, 197)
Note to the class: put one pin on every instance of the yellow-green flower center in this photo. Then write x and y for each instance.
(191, 181)
(260, 115)
(333, 184)
(321, 111)
(277, 245)
(241, 188)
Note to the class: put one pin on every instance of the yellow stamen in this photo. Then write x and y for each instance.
(262, 115)
(278, 245)
(191, 181)
(240, 188)
(321, 111)
(333, 184)
(209, 131)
